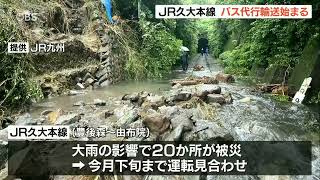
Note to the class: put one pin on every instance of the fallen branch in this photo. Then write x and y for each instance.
(184, 82)
(279, 89)
(195, 81)
(267, 87)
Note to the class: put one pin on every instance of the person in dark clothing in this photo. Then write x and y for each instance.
(202, 51)
(185, 61)
(207, 51)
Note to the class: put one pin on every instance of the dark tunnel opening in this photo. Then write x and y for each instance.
(202, 43)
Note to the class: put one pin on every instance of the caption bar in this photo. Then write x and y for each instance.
(38, 132)
(234, 11)
(65, 132)
(38, 158)
(24, 48)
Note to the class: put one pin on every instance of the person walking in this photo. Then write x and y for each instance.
(207, 51)
(202, 51)
(185, 61)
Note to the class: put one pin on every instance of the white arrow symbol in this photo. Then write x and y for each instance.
(79, 165)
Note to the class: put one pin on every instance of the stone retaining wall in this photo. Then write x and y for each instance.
(89, 42)
(309, 66)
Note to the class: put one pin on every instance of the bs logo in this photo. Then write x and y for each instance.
(28, 16)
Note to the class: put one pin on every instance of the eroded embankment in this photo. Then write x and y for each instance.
(92, 53)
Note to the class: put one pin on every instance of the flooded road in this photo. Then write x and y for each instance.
(251, 116)
(66, 102)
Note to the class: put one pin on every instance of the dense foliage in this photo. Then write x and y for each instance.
(186, 31)
(158, 52)
(261, 42)
(16, 89)
(269, 42)
(246, 45)
(159, 42)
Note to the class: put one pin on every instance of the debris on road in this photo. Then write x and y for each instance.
(198, 67)
(194, 81)
(226, 78)
(278, 89)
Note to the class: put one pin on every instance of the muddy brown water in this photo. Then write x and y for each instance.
(109, 93)
(258, 118)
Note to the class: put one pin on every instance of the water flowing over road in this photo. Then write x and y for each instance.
(250, 117)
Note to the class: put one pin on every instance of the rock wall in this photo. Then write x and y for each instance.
(88, 41)
(275, 74)
(309, 66)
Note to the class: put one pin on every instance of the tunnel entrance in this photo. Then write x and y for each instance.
(202, 43)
